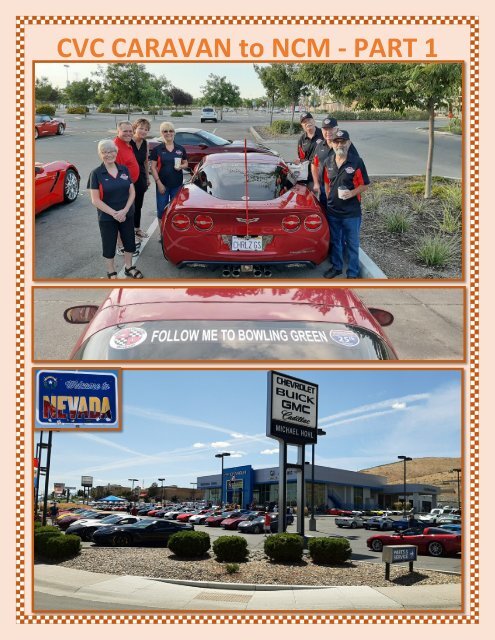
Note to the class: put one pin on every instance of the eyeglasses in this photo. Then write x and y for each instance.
(107, 151)
(168, 131)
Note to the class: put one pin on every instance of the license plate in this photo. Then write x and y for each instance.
(247, 244)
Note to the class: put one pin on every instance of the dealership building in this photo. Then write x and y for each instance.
(333, 488)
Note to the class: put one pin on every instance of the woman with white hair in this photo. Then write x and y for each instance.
(167, 161)
(112, 193)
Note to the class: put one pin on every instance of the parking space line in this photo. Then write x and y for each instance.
(150, 231)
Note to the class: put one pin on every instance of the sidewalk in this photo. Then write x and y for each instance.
(119, 591)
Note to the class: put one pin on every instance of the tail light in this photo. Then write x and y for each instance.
(313, 222)
(202, 222)
(291, 223)
(181, 222)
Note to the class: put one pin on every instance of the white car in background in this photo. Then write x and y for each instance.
(209, 113)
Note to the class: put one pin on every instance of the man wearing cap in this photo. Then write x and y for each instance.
(308, 142)
(323, 151)
(345, 178)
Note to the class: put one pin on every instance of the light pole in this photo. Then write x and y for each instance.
(312, 519)
(67, 71)
(133, 480)
(406, 459)
(223, 455)
(193, 493)
(162, 480)
(458, 471)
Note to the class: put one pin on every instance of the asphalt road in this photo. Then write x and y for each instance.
(67, 237)
(428, 322)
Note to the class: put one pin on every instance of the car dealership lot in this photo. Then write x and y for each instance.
(68, 241)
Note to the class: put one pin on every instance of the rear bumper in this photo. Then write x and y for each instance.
(242, 263)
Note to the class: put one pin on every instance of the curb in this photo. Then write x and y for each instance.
(242, 586)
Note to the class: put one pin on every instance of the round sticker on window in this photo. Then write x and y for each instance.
(128, 338)
(344, 338)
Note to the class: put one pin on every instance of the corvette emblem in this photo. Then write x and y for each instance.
(246, 220)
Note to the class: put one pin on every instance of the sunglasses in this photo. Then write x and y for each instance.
(168, 131)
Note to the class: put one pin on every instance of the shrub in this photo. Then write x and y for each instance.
(104, 108)
(119, 111)
(189, 544)
(78, 109)
(56, 546)
(283, 126)
(435, 251)
(230, 549)
(284, 547)
(397, 222)
(232, 567)
(45, 109)
(187, 113)
(451, 195)
(176, 114)
(329, 550)
(380, 114)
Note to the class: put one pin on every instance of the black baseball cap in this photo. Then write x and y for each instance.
(341, 135)
(329, 123)
(305, 115)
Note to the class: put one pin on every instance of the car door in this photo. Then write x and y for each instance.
(195, 145)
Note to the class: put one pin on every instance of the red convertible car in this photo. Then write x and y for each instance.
(199, 143)
(245, 212)
(45, 125)
(432, 541)
(55, 182)
(225, 323)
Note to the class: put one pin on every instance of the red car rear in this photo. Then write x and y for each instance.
(244, 210)
(432, 541)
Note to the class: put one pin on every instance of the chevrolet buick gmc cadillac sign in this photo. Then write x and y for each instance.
(292, 409)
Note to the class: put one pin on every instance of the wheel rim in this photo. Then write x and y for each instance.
(121, 541)
(71, 186)
(435, 549)
(35, 133)
(377, 545)
(60, 129)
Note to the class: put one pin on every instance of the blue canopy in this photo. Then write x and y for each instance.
(112, 499)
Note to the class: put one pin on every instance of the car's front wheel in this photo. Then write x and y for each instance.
(435, 549)
(60, 130)
(36, 134)
(71, 186)
(121, 540)
(376, 545)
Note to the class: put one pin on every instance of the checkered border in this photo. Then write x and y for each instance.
(207, 618)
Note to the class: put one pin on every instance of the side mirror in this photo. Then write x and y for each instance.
(384, 318)
(38, 170)
(81, 314)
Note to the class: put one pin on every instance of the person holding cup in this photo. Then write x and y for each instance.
(345, 178)
(167, 161)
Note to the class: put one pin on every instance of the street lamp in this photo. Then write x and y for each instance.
(67, 71)
(406, 459)
(312, 520)
(162, 480)
(458, 471)
(133, 480)
(222, 456)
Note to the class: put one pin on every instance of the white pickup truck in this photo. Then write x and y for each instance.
(353, 522)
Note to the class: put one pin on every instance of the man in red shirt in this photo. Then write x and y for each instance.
(126, 157)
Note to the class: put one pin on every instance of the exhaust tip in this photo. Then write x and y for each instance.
(236, 272)
(257, 273)
(267, 273)
(226, 273)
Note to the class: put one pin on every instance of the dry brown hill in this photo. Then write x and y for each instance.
(436, 471)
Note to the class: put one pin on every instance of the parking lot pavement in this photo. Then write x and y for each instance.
(428, 322)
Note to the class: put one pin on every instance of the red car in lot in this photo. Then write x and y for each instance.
(225, 323)
(245, 212)
(45, 125)
(216, 521)
(432, 541)
(199, 143)
(55, 182)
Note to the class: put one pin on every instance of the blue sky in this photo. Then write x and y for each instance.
(189, 77)
(176, 421)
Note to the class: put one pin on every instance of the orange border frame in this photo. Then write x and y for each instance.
(275, 617)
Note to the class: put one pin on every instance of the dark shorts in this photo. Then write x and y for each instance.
(109, 230)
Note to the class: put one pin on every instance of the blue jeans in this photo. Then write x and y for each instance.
(162, 199)
(344, 235)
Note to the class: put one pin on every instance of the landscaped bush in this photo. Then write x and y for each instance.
(104, 108)
(284, 547)
(78, 109)
(51, 545)
(232, 567)
(397, 221)
(380, 114)
(187, 113)
(283, 126)
(435, 251)
(119, 111)
(46, 109)
(230, 549)
(189, 544)
(329, 550)
(176, 114)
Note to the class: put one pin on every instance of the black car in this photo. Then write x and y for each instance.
(256, 525)
(144, 532)
(412, 523)
(86, 528)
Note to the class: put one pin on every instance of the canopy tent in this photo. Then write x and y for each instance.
(112, 499)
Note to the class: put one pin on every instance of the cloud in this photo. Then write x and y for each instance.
(199, 445)
(237, 455)
(268, 452)
(219, 445)
(372, 409)
(399, 405)
(237, 435)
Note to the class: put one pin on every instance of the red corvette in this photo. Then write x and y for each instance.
(55, 182)
(224, 323)
(246, 212)
(432, 541)
(47, 126)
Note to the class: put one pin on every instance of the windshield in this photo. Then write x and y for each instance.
(111, 519)
(228, 181)
(214, 139)
(234, 340)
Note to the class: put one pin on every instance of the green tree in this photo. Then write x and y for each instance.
(392, 86)
(219, 92)
(45, 92)
(81, 92)
(292, 85)
(128, 84)
(179, 97)
(270, 83)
